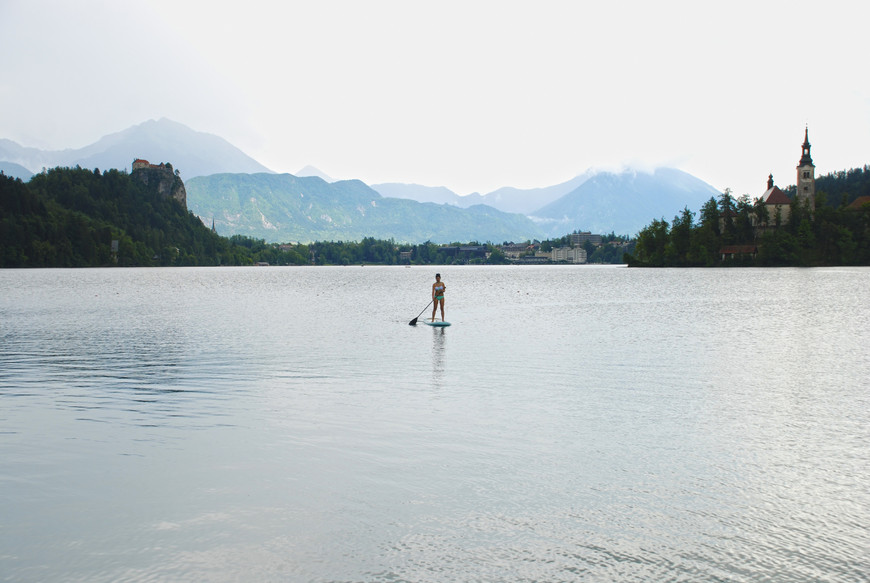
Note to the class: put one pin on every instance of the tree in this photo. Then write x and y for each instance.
(777, 248)
(760, 213)
(681, 237)
(710, 216)
(588, 247)
(497, 257)
(651, 244)
(726, 213)
(743, 231)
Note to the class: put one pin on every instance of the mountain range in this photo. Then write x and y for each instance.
(15, 170)
(286, 208)
(193, 153)
(622, 202)
(242, 196)
(507, 199)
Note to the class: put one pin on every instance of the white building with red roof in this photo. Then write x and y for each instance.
(777, 203)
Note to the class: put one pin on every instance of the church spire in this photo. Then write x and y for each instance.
(806, 160)
(806, 175)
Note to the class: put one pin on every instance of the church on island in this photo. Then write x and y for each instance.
(776, 201)
(777, 204)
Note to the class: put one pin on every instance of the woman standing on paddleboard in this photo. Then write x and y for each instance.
(438, 296)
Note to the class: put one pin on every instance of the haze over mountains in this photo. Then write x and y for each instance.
(242, 196)
(15, 170)
(286, 208)
(192, 153)
(601, 202)
(507, 199)
(624, 202)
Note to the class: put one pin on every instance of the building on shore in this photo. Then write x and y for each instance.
(578, 239)
(568, 255)
(515, 251)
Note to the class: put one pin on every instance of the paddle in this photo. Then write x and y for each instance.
(414, 321)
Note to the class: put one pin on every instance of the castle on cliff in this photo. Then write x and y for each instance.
(162, 177)
(139, 164)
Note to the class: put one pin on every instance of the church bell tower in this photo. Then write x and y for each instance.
(806, 174)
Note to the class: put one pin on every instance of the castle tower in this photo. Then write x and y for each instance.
(139, 163)
(806, 174)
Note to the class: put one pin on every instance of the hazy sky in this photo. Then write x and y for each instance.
(472, 95)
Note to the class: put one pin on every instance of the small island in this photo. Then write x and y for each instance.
(801, 226)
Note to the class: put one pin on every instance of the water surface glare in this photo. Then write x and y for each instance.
(575, 423)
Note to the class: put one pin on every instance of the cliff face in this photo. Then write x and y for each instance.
(164, 180)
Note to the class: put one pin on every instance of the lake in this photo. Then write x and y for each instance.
(575, 423)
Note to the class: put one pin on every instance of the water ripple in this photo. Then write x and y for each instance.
(576, 424)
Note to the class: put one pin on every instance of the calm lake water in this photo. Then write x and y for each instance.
(574, 424)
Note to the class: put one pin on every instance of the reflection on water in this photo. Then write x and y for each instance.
(574, 423)
(438, 348)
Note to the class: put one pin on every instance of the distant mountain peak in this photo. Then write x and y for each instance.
(624, 201)
(312, 171)
(194, 153)
(15, 170)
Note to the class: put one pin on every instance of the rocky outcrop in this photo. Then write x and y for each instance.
(162, 178)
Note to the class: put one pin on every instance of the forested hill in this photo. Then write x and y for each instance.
(69, 217)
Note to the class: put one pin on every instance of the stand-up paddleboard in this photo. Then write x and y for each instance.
(437, 324)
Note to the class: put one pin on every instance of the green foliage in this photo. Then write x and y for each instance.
(728, 232)
(606, 253)
(69, 217)
(843, 187)
(652, 242)
(497, 257)
(282, 207)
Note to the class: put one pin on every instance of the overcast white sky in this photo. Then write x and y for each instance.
(472, 95)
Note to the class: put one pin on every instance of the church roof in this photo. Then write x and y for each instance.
(774, 195)
(859, 203)
(738, 249)
(806, 160)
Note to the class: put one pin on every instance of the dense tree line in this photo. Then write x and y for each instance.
(69, 217)
(369, 250)
(829, 234)
(844, 186)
